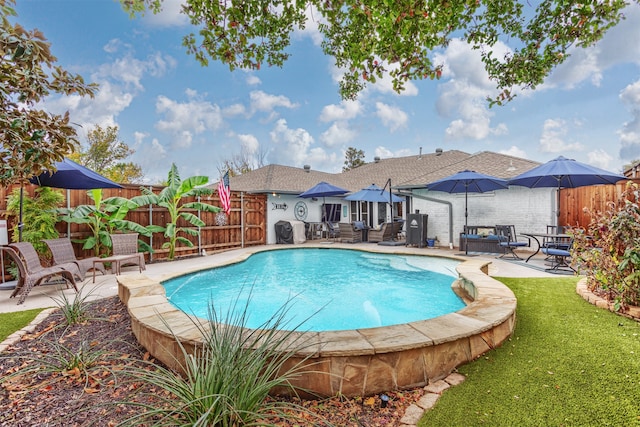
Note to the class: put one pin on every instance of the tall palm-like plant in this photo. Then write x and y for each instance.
(104, 217)
(171, 198)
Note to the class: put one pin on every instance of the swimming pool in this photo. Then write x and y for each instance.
(358, 362)
(324, 289)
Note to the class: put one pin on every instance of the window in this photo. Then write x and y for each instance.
(331, 212)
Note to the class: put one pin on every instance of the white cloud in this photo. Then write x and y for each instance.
(234, 110)
(170, 15)
(152, 158)
(464, 94)
(339, 133)
(391, 117)
(253, 80)
(311, 28)
(109, 101)
(515, 152)
(385, 153)
(346, 110)
(553, 138)
(249, 143)
(185, 120)
(599, 158)
(130, 71)
(295, 147)
(267, 103)
(630, 132)
(619, 45)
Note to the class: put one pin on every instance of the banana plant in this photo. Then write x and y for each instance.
(103, 218)
(171, 198)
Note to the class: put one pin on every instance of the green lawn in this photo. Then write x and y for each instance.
(11, 322)
(567, 364)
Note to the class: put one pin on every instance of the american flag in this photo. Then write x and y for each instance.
(224, 192)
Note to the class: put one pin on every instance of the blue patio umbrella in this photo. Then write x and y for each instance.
(468, 182)
(323, 189)
(373, 193)
(565, 173)
(69, 175)
(72, 176)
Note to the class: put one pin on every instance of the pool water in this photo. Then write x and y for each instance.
(326, 289)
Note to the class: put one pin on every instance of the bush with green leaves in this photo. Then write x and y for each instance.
(227, 380)
(38, 215)
(171, 198)
(608, 250)
(104, 217)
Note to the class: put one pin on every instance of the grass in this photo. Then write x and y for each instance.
(568, 363)
(11, 322)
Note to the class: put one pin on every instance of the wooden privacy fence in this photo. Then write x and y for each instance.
(596, 198)
(245, 226)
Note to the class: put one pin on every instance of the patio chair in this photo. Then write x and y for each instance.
(124, 249)
(385, 233)
(349, 233)
(333, 232)
(509, 241)
(558, 256)
(32, 273)
(62, 251)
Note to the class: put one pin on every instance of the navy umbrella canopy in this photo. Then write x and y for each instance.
(323, 189)
(68, 175)
(565, 173)
(73, 176)
(468, 182)
(373, 193)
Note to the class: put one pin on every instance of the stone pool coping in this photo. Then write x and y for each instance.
(356, 362)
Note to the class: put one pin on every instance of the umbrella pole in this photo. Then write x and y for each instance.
(20, 224)
(466, 215)
(558, 205)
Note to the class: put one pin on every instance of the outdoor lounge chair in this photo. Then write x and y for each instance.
(32, 273)
(385, 233)
(509, 241)
(62, 251)
(333, 232)
(124, 251)
(349, 233)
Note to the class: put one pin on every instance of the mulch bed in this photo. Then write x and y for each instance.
(55, 397)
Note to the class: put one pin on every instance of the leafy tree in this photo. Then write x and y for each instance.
(171, 199)
(242, 162)
(105, 153)
(371, 39)
(31, 139)
(353, 159)
(38, 215)
(104, 217)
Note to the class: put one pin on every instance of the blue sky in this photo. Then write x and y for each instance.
(171, 109)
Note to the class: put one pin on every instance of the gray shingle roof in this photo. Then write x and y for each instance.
(404, 172)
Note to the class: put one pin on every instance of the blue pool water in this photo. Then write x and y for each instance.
(333, 289)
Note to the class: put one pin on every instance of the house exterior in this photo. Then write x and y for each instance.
(528, 209)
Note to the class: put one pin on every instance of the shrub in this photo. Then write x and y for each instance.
(226, 382)
(608, 251)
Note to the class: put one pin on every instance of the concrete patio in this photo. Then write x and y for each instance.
(106, 286)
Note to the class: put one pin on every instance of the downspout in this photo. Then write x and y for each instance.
(431, 199)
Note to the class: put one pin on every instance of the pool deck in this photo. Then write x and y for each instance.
(107, 286)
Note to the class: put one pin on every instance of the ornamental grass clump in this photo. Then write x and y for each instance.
(608, 251)
(227, 380)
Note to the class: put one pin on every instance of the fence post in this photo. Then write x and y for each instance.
(199, 230)
(242, 219)
(151, 223)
